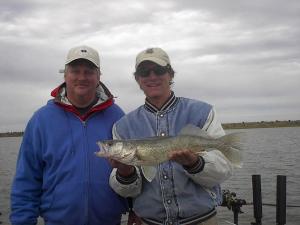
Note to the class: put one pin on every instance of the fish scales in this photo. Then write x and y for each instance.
(160, 151)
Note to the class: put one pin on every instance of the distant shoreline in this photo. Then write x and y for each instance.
(12, 134)
(262, 124)
(226, 126)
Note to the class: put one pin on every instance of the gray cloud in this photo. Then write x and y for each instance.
(241, 56)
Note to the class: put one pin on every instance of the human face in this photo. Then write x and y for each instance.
(154, 81)
(82, 79)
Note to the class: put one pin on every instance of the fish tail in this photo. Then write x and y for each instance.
(231, 145)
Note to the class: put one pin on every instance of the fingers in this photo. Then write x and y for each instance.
(116, 164)
(184, 157)
(113, 162)
(185, 153)
(122, 168)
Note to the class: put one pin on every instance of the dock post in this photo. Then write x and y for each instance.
(281, 200)
(257, 200)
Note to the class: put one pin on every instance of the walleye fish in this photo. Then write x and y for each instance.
(152, 151)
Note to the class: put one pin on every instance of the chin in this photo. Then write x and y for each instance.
(153, 92)
(154, 95)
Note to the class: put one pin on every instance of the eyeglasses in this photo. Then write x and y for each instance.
(145, 72)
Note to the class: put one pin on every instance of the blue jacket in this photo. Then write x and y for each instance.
(174, 193)
(58, 176)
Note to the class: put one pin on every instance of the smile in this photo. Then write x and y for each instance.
(152, 85)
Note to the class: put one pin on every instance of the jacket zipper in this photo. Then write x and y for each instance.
(87, 172)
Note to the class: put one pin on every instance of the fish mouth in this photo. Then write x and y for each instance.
(103, 146)
(103, 152)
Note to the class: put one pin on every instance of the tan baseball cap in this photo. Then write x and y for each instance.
(83, 52)
(156, 55)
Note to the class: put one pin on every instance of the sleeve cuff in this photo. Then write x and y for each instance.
(197, 167)
(128, 179)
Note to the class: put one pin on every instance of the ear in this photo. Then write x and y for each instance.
(99, 74)
(65, 72)
(136, 78)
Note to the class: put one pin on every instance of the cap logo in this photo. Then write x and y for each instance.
(149, 50)
(83, 50)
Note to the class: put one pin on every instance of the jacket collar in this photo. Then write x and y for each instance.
(60, 94)
(172, 100)
(105, 99)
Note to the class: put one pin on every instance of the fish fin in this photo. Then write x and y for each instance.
(193, 130)
(149, 172)
(233, 147)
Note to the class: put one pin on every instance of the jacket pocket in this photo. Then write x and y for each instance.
(68, 199)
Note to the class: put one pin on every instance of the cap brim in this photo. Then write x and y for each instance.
(152, 59)
(86, 58)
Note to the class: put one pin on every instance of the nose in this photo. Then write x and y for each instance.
(152, 74)
(81, 75)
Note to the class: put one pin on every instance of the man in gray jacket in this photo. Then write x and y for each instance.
(186, 188)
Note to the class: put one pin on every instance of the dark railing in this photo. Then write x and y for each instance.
(257, 200)
(233, 203)
(281, 200)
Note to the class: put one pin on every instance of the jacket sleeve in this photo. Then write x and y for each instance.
(27, 183)
(217, 167)
(125, 190)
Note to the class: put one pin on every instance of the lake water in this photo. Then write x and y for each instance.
(270, 152)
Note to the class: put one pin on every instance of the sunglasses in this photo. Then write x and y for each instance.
(145, 72)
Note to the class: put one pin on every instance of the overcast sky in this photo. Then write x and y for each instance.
(242, 56)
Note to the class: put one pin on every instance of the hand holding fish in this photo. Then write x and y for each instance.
(123, 169)
(184, 157)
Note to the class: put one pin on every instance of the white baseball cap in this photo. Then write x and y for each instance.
(83, 52)
(156, 55)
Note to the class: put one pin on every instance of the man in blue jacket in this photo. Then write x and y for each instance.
(57, 175)
(185, 189)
